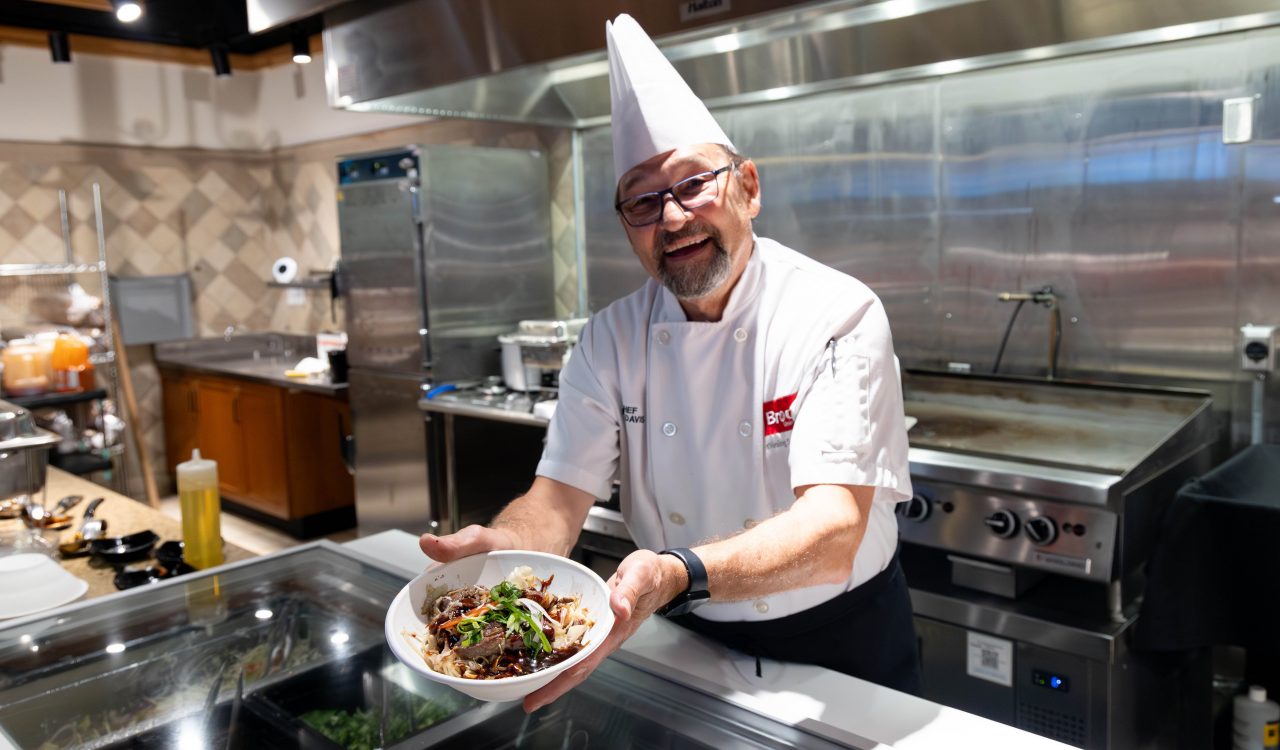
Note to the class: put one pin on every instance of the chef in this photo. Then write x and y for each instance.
(749, 400)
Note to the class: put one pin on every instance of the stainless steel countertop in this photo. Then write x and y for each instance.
(268, 370)
(480, 411)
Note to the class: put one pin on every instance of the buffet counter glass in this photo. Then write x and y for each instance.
(287, 651)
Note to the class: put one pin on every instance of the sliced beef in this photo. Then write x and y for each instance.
(491, 643)
(456, 603)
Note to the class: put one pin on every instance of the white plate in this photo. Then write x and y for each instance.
(571, 579)
(33, 583)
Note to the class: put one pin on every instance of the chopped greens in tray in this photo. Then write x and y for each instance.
(358, 730)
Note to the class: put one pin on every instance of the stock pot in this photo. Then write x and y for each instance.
(24, 452)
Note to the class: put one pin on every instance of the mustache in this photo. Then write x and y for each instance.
(667, 239)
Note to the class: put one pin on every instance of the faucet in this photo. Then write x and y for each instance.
(228, 332)
(1046, 298)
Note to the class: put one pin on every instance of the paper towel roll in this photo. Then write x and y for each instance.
(284, 270)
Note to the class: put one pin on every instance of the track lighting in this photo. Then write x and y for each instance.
(301, 49)
(221, 61)
(127, 11)
(59, 47)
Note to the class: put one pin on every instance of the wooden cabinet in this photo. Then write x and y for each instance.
(181, 425)
(279, 451)
(318, 475)
(218, 432)
(260, 412)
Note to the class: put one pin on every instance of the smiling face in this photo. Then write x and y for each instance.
(699, 254)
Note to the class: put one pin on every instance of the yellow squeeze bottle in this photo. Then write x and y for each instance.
(201, 511)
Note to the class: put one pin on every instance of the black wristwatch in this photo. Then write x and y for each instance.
(695, 593)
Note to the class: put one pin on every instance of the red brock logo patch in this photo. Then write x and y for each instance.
(777, 415)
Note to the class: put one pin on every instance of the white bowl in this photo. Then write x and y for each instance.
(571, 579)
(33, 583)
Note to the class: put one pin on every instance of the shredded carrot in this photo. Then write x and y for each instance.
(451, 624)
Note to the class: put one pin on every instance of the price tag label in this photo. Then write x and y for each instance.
(990, 659)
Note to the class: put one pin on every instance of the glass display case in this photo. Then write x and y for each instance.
(287, 651)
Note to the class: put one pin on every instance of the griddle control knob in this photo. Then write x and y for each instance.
(917, 508)
(1042, 530)
(1003, 523)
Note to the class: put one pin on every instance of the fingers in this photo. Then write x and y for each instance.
(636, 590)
(571, 678)
(470, 540)
(574, 676)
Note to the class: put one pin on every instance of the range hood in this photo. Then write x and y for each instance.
(544, 63)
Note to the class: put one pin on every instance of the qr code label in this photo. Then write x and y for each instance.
(990, 659)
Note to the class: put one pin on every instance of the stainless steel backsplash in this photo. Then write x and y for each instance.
(1104, 176)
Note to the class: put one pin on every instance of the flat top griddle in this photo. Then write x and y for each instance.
(1109, 429)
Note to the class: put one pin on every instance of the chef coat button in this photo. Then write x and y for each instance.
(750, 523)
(762, 606)
(740, 335)
(744, 428)
(676, 518)
(669, 429)
(664, 337)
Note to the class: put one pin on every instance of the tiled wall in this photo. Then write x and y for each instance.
(222, 217)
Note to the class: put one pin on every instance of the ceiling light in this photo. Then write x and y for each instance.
(127, 11)
(301, 49)
(221, 61)
(59, 47)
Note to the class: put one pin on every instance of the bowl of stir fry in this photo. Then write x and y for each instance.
(500, 625)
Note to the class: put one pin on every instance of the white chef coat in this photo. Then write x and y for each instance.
(710, 426)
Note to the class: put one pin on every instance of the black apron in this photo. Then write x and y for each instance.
(866, 633)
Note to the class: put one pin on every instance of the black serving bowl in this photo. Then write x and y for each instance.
(118, 549)
(169, 554)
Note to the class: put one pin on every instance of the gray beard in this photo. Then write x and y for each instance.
(689, 282)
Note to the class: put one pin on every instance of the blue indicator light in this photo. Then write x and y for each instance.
(1051, 681)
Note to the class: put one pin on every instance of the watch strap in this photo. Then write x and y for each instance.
(696, 592)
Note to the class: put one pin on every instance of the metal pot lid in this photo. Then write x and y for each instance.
(18, 429)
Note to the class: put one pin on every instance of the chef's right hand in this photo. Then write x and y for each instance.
(467, 541)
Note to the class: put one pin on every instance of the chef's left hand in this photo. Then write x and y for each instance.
(644, 582)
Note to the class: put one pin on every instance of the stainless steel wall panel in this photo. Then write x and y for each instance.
(613, 271)
(1158, 237)
(850, 181)
(1104, 176)
(1259, 295)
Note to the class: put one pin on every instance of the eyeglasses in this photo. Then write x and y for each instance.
(689, 193)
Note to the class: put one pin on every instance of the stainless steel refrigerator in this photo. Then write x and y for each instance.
(443, 248)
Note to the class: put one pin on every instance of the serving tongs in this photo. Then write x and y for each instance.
(280, 638)
(233, 725)
(211, 699)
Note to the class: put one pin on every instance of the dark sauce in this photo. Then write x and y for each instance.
(519, 663)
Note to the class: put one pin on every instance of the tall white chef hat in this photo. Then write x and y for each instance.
(653, 109)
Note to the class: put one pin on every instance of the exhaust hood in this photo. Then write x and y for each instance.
(544, 63)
